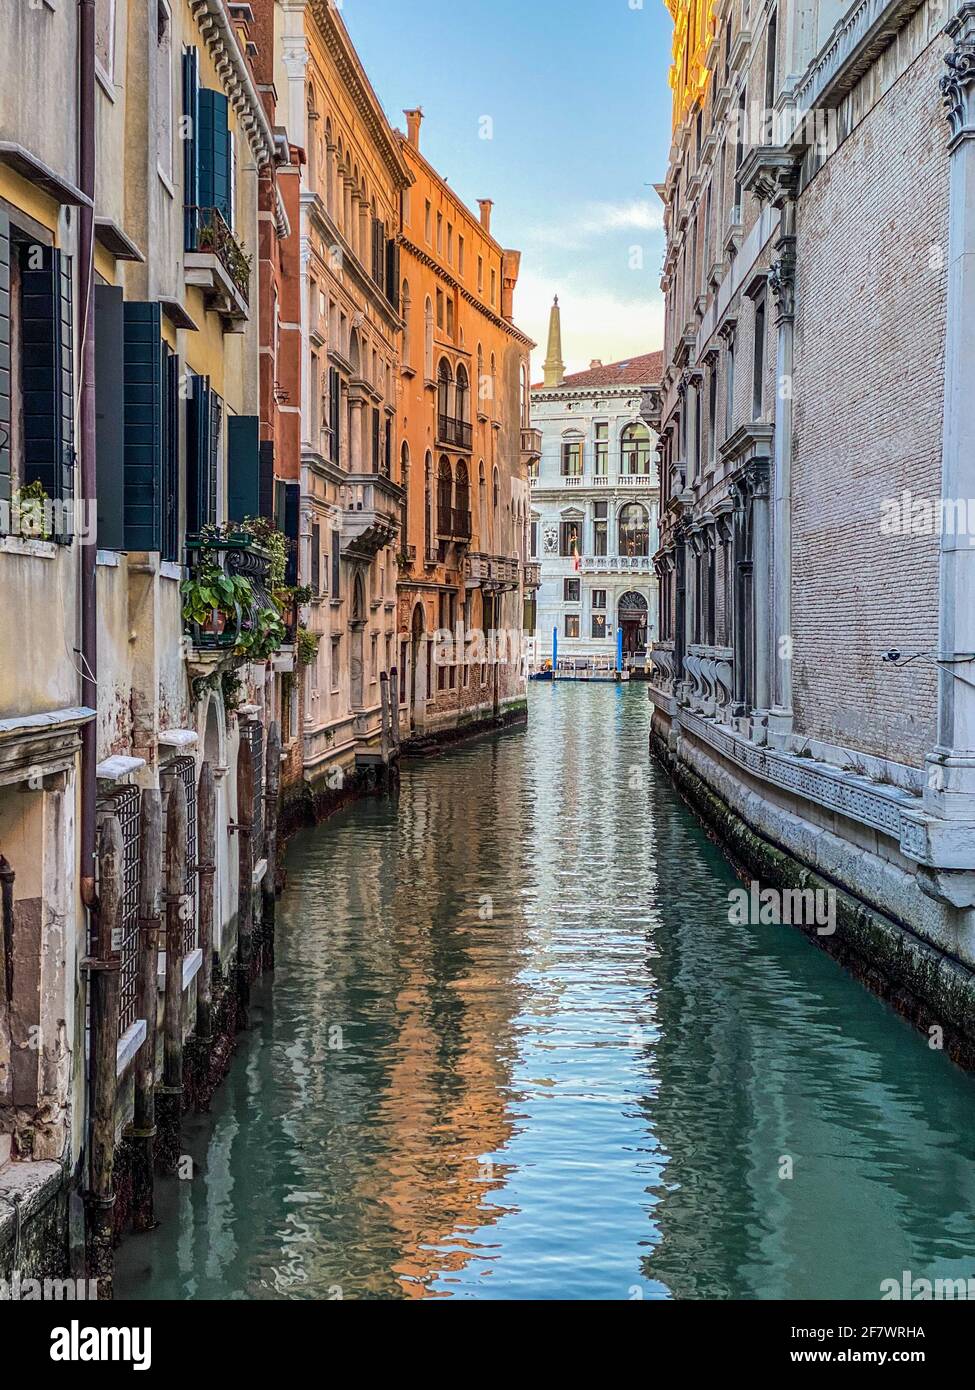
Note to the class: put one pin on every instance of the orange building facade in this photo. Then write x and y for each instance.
(464, 456)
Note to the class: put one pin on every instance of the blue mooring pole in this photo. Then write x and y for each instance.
(619, 649)
(555, 651)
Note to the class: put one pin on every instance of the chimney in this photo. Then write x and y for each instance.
(510, 266)
(414, 119)
(594, 364)
(486, 204)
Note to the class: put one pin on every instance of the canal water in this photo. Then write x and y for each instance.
(513, 1048)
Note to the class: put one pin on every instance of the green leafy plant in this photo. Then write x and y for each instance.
(307, 646)
(31, 506)
(263, 530)
(232, 689)
(210, 589)
(261, 635)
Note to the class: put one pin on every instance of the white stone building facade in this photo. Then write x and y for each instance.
(594, 511)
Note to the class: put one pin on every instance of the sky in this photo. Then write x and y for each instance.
(574, 100)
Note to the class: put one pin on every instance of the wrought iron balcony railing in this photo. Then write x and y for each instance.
(453, 432)
(207, 231)
(234, 555)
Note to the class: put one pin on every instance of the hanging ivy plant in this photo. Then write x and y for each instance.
(307, 646)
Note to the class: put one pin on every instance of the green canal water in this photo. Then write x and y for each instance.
(514, 1049)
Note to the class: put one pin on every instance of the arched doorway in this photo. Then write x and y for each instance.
(632, 614)
(416, 640)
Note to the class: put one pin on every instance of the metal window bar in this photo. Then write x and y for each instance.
(185, 769)
(125, 804)
(255, 732)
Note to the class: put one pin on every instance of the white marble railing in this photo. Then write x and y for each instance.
(617, 564)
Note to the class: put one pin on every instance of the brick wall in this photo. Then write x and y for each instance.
(868, 403)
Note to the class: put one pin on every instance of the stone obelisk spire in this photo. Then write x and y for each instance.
(554, 367)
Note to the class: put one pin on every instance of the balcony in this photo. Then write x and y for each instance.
(617, 564)
(216, 263)
(370, 519)
(454, 524)
(491, 573)
(531, 445)
(213, 641)
(456, 434)
(533, 574)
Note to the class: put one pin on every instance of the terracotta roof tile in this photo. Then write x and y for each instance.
(645, 370)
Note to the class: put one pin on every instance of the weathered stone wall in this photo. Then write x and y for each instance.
(872, 242)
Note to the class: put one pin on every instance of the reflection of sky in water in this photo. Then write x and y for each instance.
(514, 1049)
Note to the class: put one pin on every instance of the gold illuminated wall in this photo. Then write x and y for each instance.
(694, 23)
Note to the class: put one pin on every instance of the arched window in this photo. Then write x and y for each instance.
(493, 385)
(405, 311)
(358, 600)
(462, 498)
(428, 339)
(404, 482)
(635, 449)
(445, 498)
(482, 516)
(444, 380)
(634, 530)
(481, 386)
(462, 397)
(496, 499)
(311, 139)
(354, 357)
(428, 504)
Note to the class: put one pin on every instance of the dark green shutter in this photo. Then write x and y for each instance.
(191, 115)
(5, 457)
(243, 467)
(48, 372)
(289, 525)
(316, 558)
(110, 415)
(213, 137)
(170, 468)
(335, 410)
(198, 454)
(392, 273)
(267, 478)
(143, 396)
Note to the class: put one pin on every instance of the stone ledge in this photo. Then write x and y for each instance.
(27, 1185)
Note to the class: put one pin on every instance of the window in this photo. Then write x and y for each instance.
(569, 537)
(533, 541)
(164, 79)
(440, 308)
(460, 255)
(729, 399)
(428, 340)
(599, 624)
(758, 360)
(599, 598)
(768, 121)
(439, 233)
(494, 284)
(336, 566)
(450, 317)
(572, 458)
(426, 221)
(636, 449)
(450, 244)
(571, 590)
(572, 624)
(405, 311)
(600, 530)
(634, 532)
(739, 152)
(480, 274)
(712, 412)
(601, 464)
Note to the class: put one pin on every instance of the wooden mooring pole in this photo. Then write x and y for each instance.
(104, 994)
(206, 868)
(169, 1096)
(272, 795)
(142, 1135)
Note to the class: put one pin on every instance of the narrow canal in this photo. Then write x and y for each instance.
(514, 1049)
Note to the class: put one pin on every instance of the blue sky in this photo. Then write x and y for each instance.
(576, 91)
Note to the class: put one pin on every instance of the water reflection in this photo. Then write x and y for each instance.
(514, 1048)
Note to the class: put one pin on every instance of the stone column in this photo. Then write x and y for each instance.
(782, 279)
(950, 789)
(356, 402)
(761, 599)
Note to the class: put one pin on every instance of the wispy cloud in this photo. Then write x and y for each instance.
(582, 226)
(597, 321)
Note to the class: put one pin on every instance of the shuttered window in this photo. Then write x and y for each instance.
(213, 153)
(110, 415)
(375, 440)
(47, 376)
(243, 467)
(143, 411)
(203, 415)
(170, 455)
(316, 558)
(191, 117)
(336, 564)
(335, 411)
(392, 273)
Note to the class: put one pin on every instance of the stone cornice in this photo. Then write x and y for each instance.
(433, 264)
(855, 43)
(338, 46)
(220, 39)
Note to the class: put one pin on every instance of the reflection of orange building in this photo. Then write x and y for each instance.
(464, 442)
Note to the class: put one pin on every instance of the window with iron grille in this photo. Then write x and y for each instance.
(255, 732)
(125, 805)
(185, 770)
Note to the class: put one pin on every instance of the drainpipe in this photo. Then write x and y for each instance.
(98, 1205)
